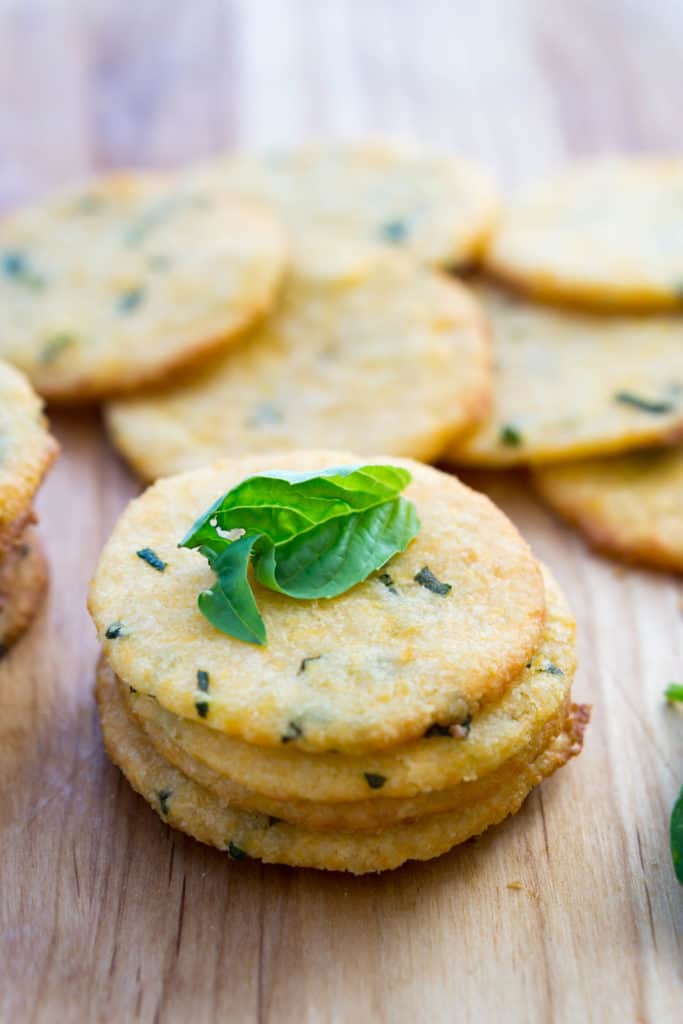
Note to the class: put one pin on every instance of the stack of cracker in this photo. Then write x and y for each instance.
(387, 724)
(26, 452)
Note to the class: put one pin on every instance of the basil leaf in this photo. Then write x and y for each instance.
(230, 605)
(674, 691)
(281, 505)
(677, 837)
(307, 535)
(328, 560)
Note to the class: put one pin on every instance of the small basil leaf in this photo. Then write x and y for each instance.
(674, 691)
(310, 535)
(677, 837)
(229, 604)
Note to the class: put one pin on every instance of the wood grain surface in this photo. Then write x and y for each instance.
(568, 912)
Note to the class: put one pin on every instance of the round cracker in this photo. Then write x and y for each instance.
(606, 234)
(388, 661)
(366, 352)
(630, 506)
(23, 578)
(440, 209)
(183, 804)
(26, 449)
(131, 278)
(570, 385)
(500, 732)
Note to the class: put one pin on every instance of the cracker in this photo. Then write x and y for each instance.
(501, 731)
(23, 578)
(630, 506)
(571, 385)
(131, 278)
(604, 234)
(366, 352)
(440, 209)
(389, 662)
(183, 804)
(26, 449)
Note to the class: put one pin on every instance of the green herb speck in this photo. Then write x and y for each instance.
(386, 579)
(292, 732)
(89, 204)
(264, 415)
(202, 707)
(236, 852)
(15, 266)
(114, 631)
(394, 231)
(374, 780)
(426, 578)
(129, 301)
(14, 263)
(159, 261)
(54, 347)
(550, 669)
(655, 406)
(202, 680)
(674, 691)
(151, 557)
(510, 436)
(164, 796)
(305, 661)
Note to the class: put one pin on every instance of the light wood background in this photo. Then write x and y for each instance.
(105, 915)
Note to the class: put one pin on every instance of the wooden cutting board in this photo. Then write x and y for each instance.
(568, 912)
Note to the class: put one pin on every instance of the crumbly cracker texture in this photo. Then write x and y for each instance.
(367, 351)
(131, 278)
(571, 385)
(604, 234)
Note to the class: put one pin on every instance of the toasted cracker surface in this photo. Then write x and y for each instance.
(606, 234)
(26, 450)
(439, 208)
(23, 578)
(630, 506)
(131, 278)
(367, 351)
(571, 385)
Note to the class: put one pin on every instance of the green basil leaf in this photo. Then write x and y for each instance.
(328, 560)
(677, 837)
(229, 605)
(674, 691)
(307, 535)
(282, 505)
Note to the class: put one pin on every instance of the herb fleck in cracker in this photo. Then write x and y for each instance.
(151, 557)
(426, 578)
